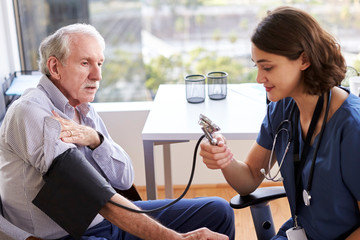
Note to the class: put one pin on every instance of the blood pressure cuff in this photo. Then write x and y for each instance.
(73, 193)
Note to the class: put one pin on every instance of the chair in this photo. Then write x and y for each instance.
(132, 193)
(258, 201)
(8, 231)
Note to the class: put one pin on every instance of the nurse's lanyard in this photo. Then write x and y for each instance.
(299, 163)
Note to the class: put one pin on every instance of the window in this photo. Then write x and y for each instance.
(156, 41)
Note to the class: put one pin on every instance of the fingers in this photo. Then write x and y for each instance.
(65, 123)
(221, 141)
(204, 234)
(67, 134)
(72, 132)
(216, 157)
(69, 129)
(55, 113)
(218, 161)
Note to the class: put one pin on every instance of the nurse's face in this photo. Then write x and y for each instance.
(280, 76)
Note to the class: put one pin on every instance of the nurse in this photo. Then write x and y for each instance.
(301, 67)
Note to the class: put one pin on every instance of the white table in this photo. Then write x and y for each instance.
(172, 119)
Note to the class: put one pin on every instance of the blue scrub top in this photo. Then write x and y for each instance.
(333, 212)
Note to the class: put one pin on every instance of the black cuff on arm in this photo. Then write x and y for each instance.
(74, 192)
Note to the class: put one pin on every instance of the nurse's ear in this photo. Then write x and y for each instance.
(305, 62)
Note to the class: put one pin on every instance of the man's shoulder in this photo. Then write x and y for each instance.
(35, 95)
(30, 104)
(32, 98)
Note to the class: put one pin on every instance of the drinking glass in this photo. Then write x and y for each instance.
(217, 85)
(195, 88)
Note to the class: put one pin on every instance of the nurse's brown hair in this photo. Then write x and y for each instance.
(289, 32)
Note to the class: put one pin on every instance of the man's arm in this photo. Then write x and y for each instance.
(137, 224)
(113, 161)
(145, 227)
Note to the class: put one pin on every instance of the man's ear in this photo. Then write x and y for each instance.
(53, 65)
(305, 62)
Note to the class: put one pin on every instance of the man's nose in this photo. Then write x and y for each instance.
(95, 73)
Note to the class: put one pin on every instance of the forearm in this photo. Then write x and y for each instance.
(136, 224)
(240, 178)
(246, 176)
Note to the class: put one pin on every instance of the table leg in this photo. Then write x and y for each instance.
(169, 192)
(150, 169)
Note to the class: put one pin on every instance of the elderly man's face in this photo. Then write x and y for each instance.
(80, 74)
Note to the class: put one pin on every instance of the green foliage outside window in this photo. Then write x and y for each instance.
(200, 61)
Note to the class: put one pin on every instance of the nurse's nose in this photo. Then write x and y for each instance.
(260, 78)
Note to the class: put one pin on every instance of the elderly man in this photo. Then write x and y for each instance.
(48, 133)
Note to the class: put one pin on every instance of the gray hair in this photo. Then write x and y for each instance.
(57, 44)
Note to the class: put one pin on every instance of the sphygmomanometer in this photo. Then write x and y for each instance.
(74, 192)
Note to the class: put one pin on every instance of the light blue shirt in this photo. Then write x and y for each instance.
(29, 142)
(333, 212)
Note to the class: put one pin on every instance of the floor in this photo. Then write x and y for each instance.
(243, 220)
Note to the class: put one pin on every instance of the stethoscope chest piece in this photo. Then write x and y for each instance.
(306, 197)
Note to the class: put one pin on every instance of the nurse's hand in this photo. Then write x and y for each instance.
(216, 157)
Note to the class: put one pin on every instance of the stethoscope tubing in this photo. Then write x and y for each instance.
(289, 132)
(277, 132)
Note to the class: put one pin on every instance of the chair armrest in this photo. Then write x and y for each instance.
(131, 194)
(260, 195)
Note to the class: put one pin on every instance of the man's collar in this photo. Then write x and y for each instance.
(58, 98)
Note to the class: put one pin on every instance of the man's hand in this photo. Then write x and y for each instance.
(72, 132)
(204, 234)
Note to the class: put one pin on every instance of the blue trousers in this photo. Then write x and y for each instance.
(186, 215)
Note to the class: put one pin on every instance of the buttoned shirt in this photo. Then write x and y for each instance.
(29, 142)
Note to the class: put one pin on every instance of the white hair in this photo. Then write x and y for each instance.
(58, 43)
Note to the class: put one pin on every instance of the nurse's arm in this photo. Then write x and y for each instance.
(356, 234)
(245, 176)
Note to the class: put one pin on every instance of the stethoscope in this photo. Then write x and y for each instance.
(287, 126)
(279, 129)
